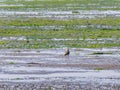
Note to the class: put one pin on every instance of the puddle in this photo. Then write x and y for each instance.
(96, 74)
(5, 5)
(61, 15)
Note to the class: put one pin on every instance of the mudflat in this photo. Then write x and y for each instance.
(39, 69)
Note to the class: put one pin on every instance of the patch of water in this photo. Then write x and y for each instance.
(64, 14)
(18, 13)
(13, 38)
(99, 40)
(55, 27)
(41, 70)
(48, 65)
(5, 5)
(109, 7)
(34, 27)
(87, 76)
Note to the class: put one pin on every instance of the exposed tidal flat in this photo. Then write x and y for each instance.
(41, 69)
(35, 33)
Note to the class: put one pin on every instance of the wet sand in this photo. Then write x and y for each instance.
(49, 69)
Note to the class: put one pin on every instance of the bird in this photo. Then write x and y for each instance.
(67, 52)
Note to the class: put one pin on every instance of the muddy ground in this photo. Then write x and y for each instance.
(49, 69)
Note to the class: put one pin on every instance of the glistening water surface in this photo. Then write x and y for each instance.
(81, 67)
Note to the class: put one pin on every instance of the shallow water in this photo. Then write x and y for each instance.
(54, 57)
(62, 15)
(81, 67)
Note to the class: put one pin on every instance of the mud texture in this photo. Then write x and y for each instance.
(49, 69)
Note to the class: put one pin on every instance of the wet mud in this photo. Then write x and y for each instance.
(49, 69)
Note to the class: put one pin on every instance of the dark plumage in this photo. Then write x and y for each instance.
(67, 52)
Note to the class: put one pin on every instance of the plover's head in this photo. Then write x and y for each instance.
(67, 49)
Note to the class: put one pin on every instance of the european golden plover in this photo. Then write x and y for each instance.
(67, 52)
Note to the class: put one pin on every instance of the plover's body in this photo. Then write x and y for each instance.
(67, 52)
